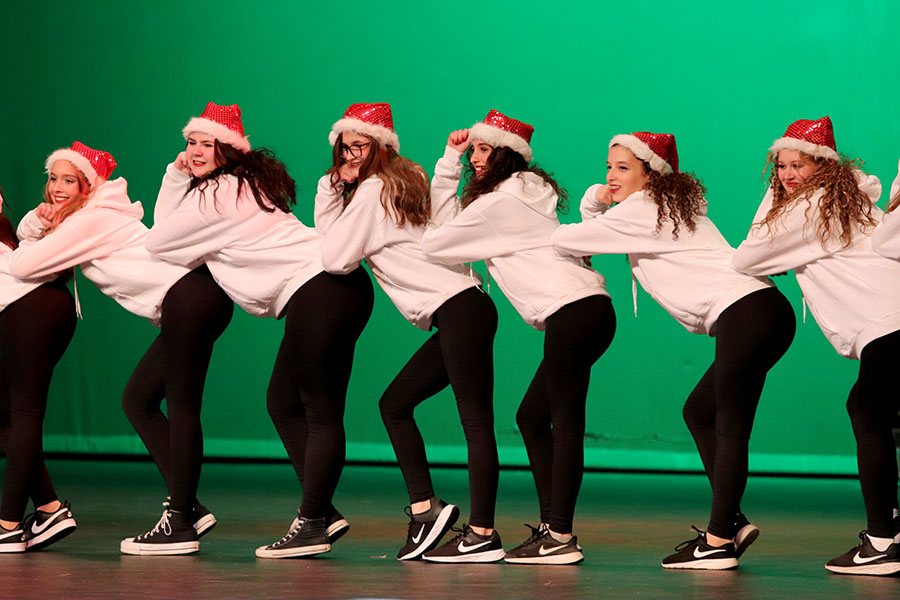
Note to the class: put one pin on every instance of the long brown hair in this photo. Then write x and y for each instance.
(258, 169)
(7, 231)
(843, 207)
(679, 197)
(406, 195)
(84, 190)
(502, 162)
(895, 201)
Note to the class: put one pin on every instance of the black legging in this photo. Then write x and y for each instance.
(35, 331)
(873, 405)
(308, 389)
(195, 312)
(552, 414)
(751, 336)
(461, 354)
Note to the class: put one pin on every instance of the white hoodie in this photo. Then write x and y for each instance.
(886, 237)
(853, 293)
(12, 289)
(106, 238)
(258, 258)
(509, 229)
(691, 277)
(364, 230)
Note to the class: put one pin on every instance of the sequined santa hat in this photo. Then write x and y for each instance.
(370, 119)
(815, 138)
(96, 165)
(656, 149)
(499, 130)
(221, 122)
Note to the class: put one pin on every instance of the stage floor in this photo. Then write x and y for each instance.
(625, 522)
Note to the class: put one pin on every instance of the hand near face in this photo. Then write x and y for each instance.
(45, 213)
(459, 140)
(348, 174)
(603, 195)
(181, 163)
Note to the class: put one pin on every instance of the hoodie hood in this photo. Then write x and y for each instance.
(870, 185)
(532, 190)
(114, 194)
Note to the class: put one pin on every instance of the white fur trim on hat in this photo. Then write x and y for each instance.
(81, 163)
(817, 150)
(384, 135)
(642, 151)
(500, 137)
(218, 131)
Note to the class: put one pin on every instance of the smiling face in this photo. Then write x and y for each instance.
(201, 154)
(793, 167)
(481, 151)
(625, 173)
(65, 184)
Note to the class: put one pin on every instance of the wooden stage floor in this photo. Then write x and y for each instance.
(626, 523)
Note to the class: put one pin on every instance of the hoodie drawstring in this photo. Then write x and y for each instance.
(634, 293)
(77, 299)
(803, 301)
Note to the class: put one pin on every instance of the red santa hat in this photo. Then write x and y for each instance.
(221, 122)
(815, 138)
(656, 149)
(499, 130)
(371, 119)
(96, 165)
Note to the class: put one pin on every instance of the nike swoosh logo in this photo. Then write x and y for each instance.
(418, 536)
(544, 551)
(859, 560)
(698, 554)
(463, 548)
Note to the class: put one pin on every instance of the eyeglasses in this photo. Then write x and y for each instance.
(355, 150)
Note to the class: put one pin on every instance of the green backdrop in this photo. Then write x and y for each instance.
(725, 78)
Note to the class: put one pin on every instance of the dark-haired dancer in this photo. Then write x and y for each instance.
(37, 320)
(656, 214)
(90, 222)
(373, 204)
(506, 215)
(228, 205)
(817, 219)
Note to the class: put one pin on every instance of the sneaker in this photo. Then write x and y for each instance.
(746, 534)
(173, 534)
(864, 559)
(204, 520)
(541, 548)
(335, 525)
(468, 547)
(697, 554)
(12, 540)
(306, 537)
(44, 528)
(426, 529)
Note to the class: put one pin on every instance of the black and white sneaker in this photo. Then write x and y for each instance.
(44, 528)
(306, 537)
(426, 529)
(11, 540)
(468, 547)
(335, 525)
(541, 548)
(864, 559)
(173, 534)
(697, 554)
(204, 520)
(746, 534)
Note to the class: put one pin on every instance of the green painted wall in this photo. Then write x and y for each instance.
(726, 79)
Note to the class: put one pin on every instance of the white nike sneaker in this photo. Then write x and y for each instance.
(864, 559)
(469, 547)
(697, 554)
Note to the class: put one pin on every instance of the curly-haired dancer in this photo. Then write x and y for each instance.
(817, 219)
(680, 258)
